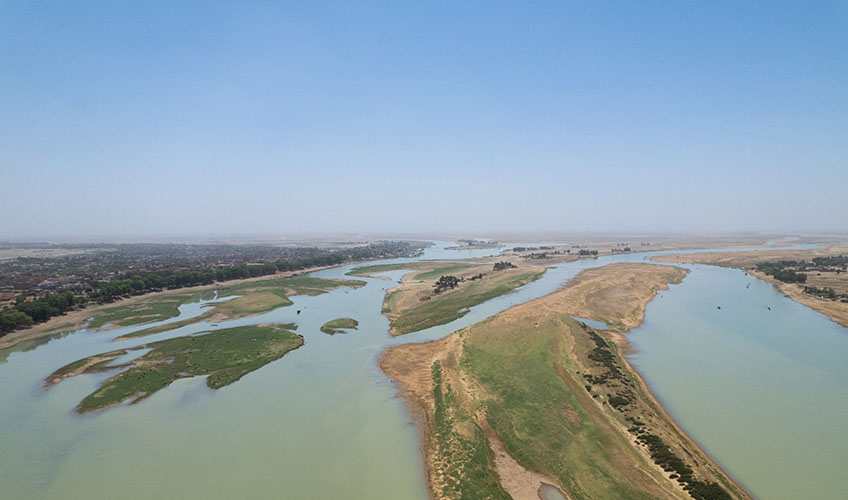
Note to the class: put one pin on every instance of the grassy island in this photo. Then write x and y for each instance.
(437, 296)
(253, 298)
(339, 325)
(423, 266)
(224, 356)
(532, 396)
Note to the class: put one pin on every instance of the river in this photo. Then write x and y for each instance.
(762, 391)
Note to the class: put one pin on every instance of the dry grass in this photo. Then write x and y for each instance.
(521, 378)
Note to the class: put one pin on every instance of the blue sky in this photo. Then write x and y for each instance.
(203, 118)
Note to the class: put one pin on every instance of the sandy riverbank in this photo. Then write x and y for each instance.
(833, 309)
(474, 368)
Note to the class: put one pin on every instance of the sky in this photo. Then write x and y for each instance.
(235, 118)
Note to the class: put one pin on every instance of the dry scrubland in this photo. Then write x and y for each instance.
(835, 310)
(531, 396)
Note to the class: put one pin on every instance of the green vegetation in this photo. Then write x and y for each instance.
(541, 420)
(155, 309)
(293, 285)
(447, 307)
(439, 271)
(558, 396)
(166, 327)
(461, 449)
(25, 313)
(224, 356)
(500, 266)
(145, 282)
(825, 292)
(105, 278)
(547, 423)
(587, 252)
(424, 275)
(339, 325)
(381, 268)
(779, 272)
(445, 283)
(832, 261)
(253, 298)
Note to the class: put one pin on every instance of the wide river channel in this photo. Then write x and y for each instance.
(761, 384)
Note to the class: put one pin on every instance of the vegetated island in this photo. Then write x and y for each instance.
(250, 299)
(532, 396)
(474, 245)
(817, 278)
(224, 356)
(339, 325)
(46, 285)
(439, 293)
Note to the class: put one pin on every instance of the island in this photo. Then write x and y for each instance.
(439, 293)
(339, 325)
(249, 299)
(533, 397)
(223, 356)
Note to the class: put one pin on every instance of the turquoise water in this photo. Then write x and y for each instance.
(324, 421)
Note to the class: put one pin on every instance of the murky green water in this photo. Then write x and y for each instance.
(325, 422)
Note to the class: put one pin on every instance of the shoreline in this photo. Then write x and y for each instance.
(391, 362)
(56, 326)
(659, 407)
(804, 299)
(746, 261)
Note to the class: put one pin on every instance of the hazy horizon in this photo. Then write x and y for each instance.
(125, 120)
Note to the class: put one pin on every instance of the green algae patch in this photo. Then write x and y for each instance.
(339, 325)
(223, 356)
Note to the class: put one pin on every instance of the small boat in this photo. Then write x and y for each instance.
(718, 307)
(298, 311)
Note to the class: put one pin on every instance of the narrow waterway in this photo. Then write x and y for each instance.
(325, 422)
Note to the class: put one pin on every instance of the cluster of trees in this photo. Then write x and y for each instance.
(25, 313)
(523, 249)
(583, 251)
(500, 266)
(827, 292)
(837, 260)
(665, 458)
(777, 270)
(148, 282)
(445, 283)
